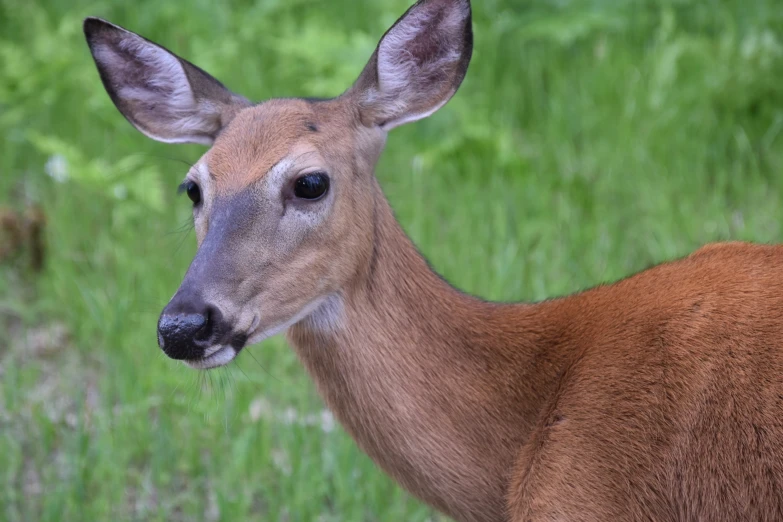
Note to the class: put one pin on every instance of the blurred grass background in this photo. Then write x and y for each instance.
(591, 139)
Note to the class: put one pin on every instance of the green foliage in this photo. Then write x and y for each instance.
(591, 139)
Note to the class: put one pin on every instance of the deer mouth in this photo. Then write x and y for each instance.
(213, 358)
(218, 354)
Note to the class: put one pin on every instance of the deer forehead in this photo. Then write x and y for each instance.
(262, 136)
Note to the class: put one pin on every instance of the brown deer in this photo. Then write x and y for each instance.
(659, 397)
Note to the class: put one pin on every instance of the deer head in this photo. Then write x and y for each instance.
(283, 200)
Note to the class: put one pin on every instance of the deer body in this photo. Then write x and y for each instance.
(659, 397)
(597, 406)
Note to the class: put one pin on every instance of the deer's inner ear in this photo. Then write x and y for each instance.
(418, 65)
(162, 95)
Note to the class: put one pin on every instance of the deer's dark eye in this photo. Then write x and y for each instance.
(311, 186)
(192, 190)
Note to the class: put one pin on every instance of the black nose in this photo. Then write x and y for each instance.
(185, 330)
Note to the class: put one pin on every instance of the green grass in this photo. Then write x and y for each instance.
(590, 140)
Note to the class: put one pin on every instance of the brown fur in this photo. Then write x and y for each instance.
(262, 135)
(659, 397)
(656, 398)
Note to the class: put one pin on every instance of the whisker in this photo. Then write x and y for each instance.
(186, 226)
(182, 240)
(262, 367)
(169, 158)
(239, 366)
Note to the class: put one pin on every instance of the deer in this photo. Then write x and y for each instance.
(656, 397)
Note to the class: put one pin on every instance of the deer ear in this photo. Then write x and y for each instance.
(162, 95)
(418, 64)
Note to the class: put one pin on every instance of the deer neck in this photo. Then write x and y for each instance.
(439, 388)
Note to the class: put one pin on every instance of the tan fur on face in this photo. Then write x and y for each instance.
(257, 139)
(262, 135)
(257, 158)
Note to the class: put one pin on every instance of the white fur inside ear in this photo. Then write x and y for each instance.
(146, 75)
(407, 69)
(397, 64)
(414, 116)
(164, 73)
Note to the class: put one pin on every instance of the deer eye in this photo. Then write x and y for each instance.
(311, 186)
(193, 191)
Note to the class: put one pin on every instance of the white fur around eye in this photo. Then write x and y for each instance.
(277, 175)
(200, 174)
(299, 216)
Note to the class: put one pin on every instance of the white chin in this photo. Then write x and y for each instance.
(219, 357)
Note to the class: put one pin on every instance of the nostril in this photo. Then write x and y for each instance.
(177, 334)
(189, 327)
(204, 332)
(210, 329)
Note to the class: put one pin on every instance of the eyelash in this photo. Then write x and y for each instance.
(193, 191)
